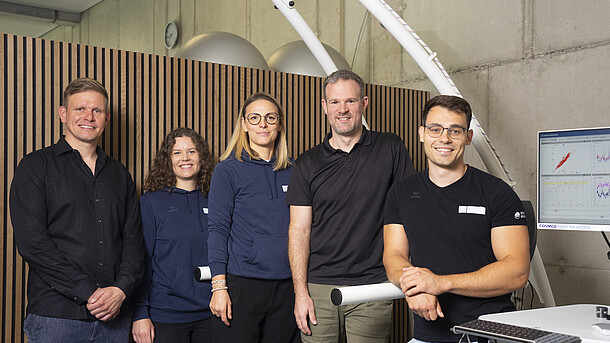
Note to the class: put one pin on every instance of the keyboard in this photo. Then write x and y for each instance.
(512, 333)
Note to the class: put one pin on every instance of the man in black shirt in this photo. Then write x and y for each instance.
(77, 223)
(336, 195)
(455, 239)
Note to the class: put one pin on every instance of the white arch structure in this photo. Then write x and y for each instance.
(431, 66)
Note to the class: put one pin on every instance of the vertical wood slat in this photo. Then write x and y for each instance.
(149, 96)
(3, 182)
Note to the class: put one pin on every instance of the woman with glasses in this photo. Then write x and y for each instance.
(171, 306)
(252, 293)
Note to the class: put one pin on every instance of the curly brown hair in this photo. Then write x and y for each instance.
(161, 173)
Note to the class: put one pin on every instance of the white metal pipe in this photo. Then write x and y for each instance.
(429, 64)
(410, 44)
(309, 37)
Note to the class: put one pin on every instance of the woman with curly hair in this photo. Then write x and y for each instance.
(252, 293)
(171, 306)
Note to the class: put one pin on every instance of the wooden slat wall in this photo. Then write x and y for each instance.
(149, 96)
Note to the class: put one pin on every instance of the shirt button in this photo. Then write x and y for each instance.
(101, 242)
(97, 200)
(99, 220)
(101, 264)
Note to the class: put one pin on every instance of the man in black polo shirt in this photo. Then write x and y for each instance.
(77, 225)
(336, 195)
(456, 240)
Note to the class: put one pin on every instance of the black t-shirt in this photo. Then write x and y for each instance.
(347, 194)
(449, 232)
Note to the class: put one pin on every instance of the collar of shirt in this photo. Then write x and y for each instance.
(63, 147)
(365, 139)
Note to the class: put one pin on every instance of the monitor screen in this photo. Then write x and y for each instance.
(574, 179)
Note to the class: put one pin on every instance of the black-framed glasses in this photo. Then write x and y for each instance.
(455, 132)
(255, 118)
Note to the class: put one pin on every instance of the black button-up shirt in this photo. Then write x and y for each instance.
(77, 230)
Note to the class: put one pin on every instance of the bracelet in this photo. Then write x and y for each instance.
(219, 289)
(219, 281)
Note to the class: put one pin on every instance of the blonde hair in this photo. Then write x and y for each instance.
(240, 142)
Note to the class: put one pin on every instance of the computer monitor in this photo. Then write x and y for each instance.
(574, 179)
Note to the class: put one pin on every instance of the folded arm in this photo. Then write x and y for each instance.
(395, 259)
(510, 245)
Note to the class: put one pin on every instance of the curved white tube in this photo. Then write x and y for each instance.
(317, 49)
(430, 65)
(365, 293)
(540, 281)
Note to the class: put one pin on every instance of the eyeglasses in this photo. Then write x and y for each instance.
(455, 132)
(255, 118)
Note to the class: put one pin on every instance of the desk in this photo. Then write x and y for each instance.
(573, 320)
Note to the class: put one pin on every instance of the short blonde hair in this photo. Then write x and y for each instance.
(85, 84)
(240, 142)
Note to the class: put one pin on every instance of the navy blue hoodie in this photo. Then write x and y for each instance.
(248, 219)
(175, 228)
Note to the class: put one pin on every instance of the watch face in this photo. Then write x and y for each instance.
(171, 35)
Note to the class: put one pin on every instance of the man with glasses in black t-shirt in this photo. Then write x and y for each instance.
(455, 238)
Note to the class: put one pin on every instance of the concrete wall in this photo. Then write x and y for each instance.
(524, 65)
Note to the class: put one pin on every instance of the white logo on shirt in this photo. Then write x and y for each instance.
(519, 215)
(285, 188)
(472, 209)
(205, 210)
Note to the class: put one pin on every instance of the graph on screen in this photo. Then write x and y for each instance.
(574, 179)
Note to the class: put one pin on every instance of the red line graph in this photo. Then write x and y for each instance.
(563, 160)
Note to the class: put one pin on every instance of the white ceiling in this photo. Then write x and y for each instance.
(36, 27)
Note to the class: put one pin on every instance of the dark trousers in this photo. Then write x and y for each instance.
(195, 332)
(263, 311)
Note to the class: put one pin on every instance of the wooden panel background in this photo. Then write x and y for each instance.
(149, 96)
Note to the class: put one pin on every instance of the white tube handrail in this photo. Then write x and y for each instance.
(431, 66)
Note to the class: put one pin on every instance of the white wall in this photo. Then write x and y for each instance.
(524, 66)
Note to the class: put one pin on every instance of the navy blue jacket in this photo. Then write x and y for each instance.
(175, 228)
(249, 218)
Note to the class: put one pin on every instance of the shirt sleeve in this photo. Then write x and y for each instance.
(507, 208)
(221, 202)
(28, 207)
(131, 268)
(391, 212)
(149, 232)
(299, 193)
(403, 165)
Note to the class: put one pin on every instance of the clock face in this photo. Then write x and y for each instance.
(171, 35)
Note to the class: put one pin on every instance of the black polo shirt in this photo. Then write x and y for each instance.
(347, 194)
(77, 231)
